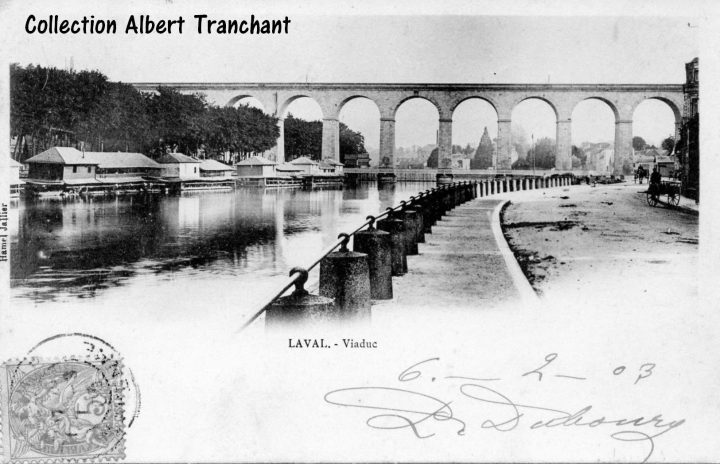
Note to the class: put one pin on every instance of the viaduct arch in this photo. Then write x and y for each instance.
(275, 97)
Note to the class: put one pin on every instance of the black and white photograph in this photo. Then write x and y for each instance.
(358, 232)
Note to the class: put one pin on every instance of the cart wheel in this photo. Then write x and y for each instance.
(651, 199)
(674, 199)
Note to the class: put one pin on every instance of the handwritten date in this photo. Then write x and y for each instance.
(402, 408)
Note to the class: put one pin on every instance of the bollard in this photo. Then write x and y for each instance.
(396, 229)
(420, 235)
(428, 213)
(410, 220)
(434, 210)
(447, 201)
(377, 245)
(415, 205)
(345, 277)
(299, 306)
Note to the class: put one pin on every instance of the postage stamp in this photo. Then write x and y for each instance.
(56, 411)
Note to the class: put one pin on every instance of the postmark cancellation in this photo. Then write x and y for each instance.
(55, 411)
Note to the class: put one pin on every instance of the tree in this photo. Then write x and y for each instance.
(522, 163)
(432, 161)
(46, 102)
(176, 119)
(242, 130)
(668, 144)
(579, 154)
(304, 138)
(351, 142)
(638, 143)
(118, 122)
(543, 153)
(484, 154)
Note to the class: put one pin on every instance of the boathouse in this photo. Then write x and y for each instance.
(256, 166)
(178, 166)
(332, 167)
(210, 168)
(66, 169)
(307, 165)
(287, 169)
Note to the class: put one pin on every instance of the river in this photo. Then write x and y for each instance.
(184, 250)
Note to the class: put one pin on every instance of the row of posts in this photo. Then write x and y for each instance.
(350, 280)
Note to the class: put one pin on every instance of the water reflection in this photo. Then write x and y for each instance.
(79, 247)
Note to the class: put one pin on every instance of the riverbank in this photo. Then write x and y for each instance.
(604, 245)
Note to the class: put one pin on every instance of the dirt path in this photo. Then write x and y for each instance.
(605, 245)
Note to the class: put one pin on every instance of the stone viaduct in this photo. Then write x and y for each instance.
(276, 97)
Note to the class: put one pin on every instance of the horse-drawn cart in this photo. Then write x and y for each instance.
(668, 188)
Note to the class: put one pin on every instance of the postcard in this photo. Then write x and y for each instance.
(358, 232)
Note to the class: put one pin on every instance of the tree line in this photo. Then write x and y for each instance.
(304, 138)
(54, 107)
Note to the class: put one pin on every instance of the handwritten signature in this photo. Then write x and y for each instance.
(401, 408)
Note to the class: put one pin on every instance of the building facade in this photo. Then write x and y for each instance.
(688, 148)
(179, 166)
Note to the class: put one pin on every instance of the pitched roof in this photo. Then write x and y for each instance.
(61, 155)
(330, 162)
(287, 167)
(103, 160)
(174, 158)
(212, 165)
(256, 161)
(303, 160)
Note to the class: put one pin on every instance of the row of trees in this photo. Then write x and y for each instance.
(639, 143)
(50, 106)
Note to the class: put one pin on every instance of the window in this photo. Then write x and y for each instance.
(89, 169)
(74, 169)
(195, 170)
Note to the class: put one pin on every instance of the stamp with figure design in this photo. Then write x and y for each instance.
(62, 411)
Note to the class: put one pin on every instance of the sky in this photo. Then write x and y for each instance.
(356, 44)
